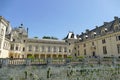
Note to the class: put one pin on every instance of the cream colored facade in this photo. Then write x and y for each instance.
(4, 44)
(103, 41)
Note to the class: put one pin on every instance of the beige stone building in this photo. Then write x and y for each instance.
(15, 43)
(103, 41)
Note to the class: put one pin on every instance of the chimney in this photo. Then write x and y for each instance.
(27, 30)
(87, 30)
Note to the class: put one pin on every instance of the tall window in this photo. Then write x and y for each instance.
(84, 45)
(43, 49)
(12, 47)
(92, 43)
(30, 47)
(60, 49)
(16, 47)
(54, 49)
(48, 48)
(78, 53)
(36, 48)
(2, 32)
(117, 38)
(65, 49)
(0, 43)
(104, 50)
(23, 48)
(118, 48)
(84, 51)
(103, 41)
(69, 51)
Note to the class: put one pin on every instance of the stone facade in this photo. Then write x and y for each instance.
(103, 41)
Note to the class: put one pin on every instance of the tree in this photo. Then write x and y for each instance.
(48, 37)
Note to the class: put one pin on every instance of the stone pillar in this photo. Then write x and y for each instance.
(51, 56)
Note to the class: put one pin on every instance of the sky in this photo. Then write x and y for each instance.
(58, 17)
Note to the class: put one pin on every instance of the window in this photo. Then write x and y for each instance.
(2, 32)
(12, 47)
(118, 48)
(103, 41)
(75, 48)
(69, 43)
(13, 40)
(78, 53)
(93, 34)
(0, 43)
(65, 49)
(84, 51)
(36, 48)
(93, 43)
(24, 41)
(117, 38)
(54, 49)
(16, 47)
(104, 50)
(69, 51)
(23, 48)
(48, 48)
(43, 48)
(60, 49)
(30, 47)
(84, 45)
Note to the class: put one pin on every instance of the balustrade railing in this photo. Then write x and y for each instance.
(27, 61)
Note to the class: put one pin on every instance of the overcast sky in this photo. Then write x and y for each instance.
(58, 17)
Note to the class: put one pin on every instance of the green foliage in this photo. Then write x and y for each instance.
(48, 37)
(31, 57)
(36, 37)
(25, 74)
(80, 57)
(11, 78)
(69, 57)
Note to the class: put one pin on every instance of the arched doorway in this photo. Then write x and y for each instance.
(42, 56)
(48, 56)
(54, 56)
(59, 56)
(29, 55)
(36, 55)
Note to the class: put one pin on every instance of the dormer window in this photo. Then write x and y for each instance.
(86, 36)
(93, 34)
(80, 38)
(104, 30)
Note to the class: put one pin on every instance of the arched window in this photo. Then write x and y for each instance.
(93, 34)
(104, 30)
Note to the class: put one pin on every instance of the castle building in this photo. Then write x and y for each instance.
(103, 41)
